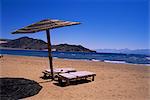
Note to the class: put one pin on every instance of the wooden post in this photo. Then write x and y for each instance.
(93, 78)
(49, 53)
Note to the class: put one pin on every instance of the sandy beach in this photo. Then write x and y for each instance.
(112, 81)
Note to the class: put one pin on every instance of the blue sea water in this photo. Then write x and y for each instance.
(107, 57)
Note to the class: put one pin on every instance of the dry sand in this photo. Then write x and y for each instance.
(112, 81)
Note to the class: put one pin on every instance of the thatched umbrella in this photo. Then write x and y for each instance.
(42, 26)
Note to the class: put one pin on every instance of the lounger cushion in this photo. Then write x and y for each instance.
(61, 70)
(82, 73)
(77, 74)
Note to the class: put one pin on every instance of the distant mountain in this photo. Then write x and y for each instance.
(72, 48)
(125, 51)
(4, 40)
(25, 43)
(36, 44)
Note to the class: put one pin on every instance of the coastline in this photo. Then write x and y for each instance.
(93, 60)
(5, 48)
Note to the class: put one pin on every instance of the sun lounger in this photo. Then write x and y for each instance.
(75, 76)
(57, 71)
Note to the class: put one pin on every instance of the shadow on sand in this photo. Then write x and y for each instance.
(63, 84)
(78, 82)
(45, 78)
(18, 88)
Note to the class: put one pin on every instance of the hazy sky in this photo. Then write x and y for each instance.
(105, 23)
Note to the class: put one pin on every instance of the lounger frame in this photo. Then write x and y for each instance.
(67, 80)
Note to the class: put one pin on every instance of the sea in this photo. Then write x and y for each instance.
(98, 57)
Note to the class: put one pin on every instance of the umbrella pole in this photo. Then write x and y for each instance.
(49, 53)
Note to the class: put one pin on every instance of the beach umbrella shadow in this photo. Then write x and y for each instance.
(18, 88)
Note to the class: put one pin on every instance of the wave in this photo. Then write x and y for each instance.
(73, 54)
(148, 58)
(146, 64)
(117, 62)
(97, 57)
(55, 57)
(95, 60)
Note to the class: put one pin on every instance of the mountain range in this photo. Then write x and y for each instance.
(37, 44)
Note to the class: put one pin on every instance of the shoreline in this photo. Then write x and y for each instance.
(107, 61)
(3, 48)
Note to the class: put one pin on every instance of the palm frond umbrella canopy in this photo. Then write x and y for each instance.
(46, 25)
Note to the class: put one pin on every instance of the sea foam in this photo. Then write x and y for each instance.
(95, 60)
(118, 62)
